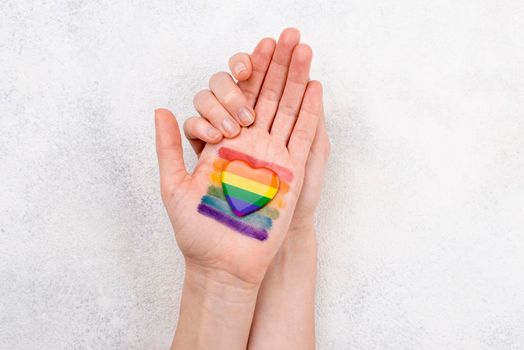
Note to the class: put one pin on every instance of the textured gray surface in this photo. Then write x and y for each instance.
(421, 230)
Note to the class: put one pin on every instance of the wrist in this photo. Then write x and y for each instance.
(216, 310)
(304, 224)
(219, 284)
(297, 255)
(285, 310)
(300, 239)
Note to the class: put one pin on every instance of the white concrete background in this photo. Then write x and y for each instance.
(421, 231)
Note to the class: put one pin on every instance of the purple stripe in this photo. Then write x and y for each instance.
(236, 225)
(240, 207)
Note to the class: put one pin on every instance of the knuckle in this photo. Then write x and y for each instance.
(270, 93)
(230, 98)
(215, 112)
(250, 95)
(259, 67)
(309, 114)
(303, 135)
(288, 110)
(195, 130)
(250, 92)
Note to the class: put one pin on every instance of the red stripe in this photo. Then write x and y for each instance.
(230, 154)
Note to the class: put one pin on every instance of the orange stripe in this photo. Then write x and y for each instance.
(261, 175)
(220, 164)
(283, 187)
(215, 178)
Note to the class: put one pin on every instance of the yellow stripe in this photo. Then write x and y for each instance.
(248, 185)
(215, 178)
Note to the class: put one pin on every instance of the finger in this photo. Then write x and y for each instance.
(275, 80)
(305, 128)
(240, 66)
(321, 147)
(321, 144)
(297, 79)
(315, 167)
(199, 131)
(169, 152)
(260, 60)
(210, 108)
(231, 97)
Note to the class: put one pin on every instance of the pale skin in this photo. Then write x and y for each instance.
(225, 271)
(284, 315)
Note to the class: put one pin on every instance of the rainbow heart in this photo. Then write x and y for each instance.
(248, 189)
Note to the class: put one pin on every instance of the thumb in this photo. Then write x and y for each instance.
(169, 152)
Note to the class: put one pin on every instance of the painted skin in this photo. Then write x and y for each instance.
(244, 190)
(297, 257)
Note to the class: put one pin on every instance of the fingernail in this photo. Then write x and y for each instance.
(245, 116)
(212, 133)
(230, 126)
(239, 68)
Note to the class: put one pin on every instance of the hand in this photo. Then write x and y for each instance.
(287, 118)
(288, 287)
(207, 128)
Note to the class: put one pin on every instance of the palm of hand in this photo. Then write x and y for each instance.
(210, 243)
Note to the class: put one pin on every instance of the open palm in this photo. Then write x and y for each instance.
(251, 71)
(280, 140)
(209, 243)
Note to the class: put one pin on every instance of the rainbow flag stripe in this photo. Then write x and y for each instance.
(245, 193)
(247, 189)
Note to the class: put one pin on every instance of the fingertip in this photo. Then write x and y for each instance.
(164, 118)
(240, 66)
(213, 135)
(261, 56)
(315, 87)
(230, 127)
(198, 128)
(215, 79)
(161, 112)
(289, 37)
(303, 52)
(246, 116)
(267, 45)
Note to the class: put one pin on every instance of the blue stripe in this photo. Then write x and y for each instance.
(253, 219)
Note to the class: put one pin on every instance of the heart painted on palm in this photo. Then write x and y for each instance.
(248, 189)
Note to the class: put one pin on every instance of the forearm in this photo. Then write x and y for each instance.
(214, 313)
(285, 311)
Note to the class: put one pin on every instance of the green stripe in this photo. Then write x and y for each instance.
(217, 192)
(246, 196)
